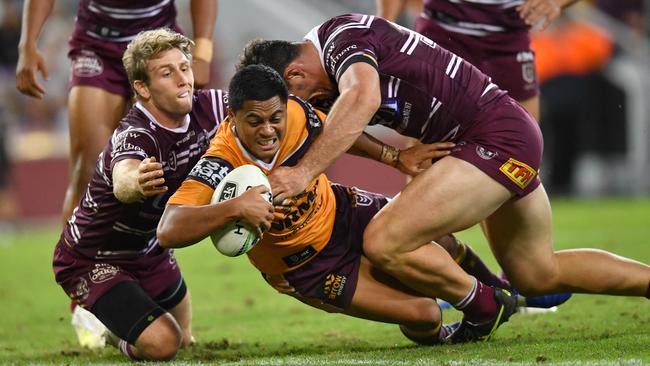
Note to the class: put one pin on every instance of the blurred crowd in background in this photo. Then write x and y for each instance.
(592, 64)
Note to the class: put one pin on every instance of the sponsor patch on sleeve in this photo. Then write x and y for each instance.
(210, 170)
(518, 172)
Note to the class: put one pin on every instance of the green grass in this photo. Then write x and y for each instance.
(239, 320)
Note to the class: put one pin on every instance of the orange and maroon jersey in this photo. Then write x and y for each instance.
(295, 237)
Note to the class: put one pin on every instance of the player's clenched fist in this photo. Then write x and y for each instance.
(255, 209)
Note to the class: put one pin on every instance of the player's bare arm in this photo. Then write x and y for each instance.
(205, 219)
(204, 16)
(359, 99)
(30, 60)
(389, 9)
(542, 12)
(412, 161)
(134, 179)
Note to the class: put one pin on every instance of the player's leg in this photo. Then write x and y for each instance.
(520, 237)
(380, 297)
(143, 328)
(93, 115)
(183, 315)
(448, 197)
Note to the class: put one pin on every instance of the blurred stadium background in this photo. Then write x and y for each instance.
(593, 63)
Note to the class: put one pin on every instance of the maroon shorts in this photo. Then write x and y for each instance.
(85, 280)
(330, 279)
(511, 66)
(506, 144)
(91, 68)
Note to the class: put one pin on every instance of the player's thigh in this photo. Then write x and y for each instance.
(381, 297)
(183, 315)
(448, 197)
(520, 235)
(93, 113)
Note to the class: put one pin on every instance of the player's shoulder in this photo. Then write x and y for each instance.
(211, 103)
(302, 111)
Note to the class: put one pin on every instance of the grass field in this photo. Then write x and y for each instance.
(239, 320)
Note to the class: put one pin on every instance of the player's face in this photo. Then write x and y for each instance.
(260, 126)
(307, 80)
(171, 85)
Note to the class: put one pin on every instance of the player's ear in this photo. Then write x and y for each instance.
(141, 89)
(293, 72)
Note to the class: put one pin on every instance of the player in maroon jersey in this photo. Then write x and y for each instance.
(108, 258)
(491, 35)
(379, 72)
(98, 84)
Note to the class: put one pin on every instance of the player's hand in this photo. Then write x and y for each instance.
(201, 70)
(30, 62)
(288, 182)
(255, 209)
(150, 177)
(418, 158)
(539, 13)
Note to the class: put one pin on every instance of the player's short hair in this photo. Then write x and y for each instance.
(255, 82)
(275, 54)
(147, 45)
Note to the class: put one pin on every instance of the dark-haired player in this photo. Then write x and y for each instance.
(381, 73)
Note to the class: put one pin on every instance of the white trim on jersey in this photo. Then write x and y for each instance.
(111, 39)
(217, 97)
(181, 129)
(120, 13)
(435, 105)
(312, 36)
(489, 87)
(392, 90)
(123, 228)
(455, 64)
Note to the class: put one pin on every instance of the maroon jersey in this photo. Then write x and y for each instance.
(477, 17)
(102, 227)
(111, 24)
(427, 92)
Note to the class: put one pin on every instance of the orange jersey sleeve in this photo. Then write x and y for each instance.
(192, 193)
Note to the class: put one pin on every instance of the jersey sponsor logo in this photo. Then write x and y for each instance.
(87, 64)
(484, 153)
(334, 59)
(103, 272)
(334, 285)
(302, 210)
(209, 171)
(299, 257)
(518, 172)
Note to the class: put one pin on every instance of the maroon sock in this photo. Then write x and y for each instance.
(479, 306)
(471, 263)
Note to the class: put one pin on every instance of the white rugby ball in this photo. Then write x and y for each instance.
(238, 237)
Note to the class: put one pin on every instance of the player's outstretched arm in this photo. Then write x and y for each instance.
(204, 17)
(30, 60)
(134, 179)
(184, 225)
(359, 99)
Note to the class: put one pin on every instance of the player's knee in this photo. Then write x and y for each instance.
(535, 283)
(376, 248)
(162, 342)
